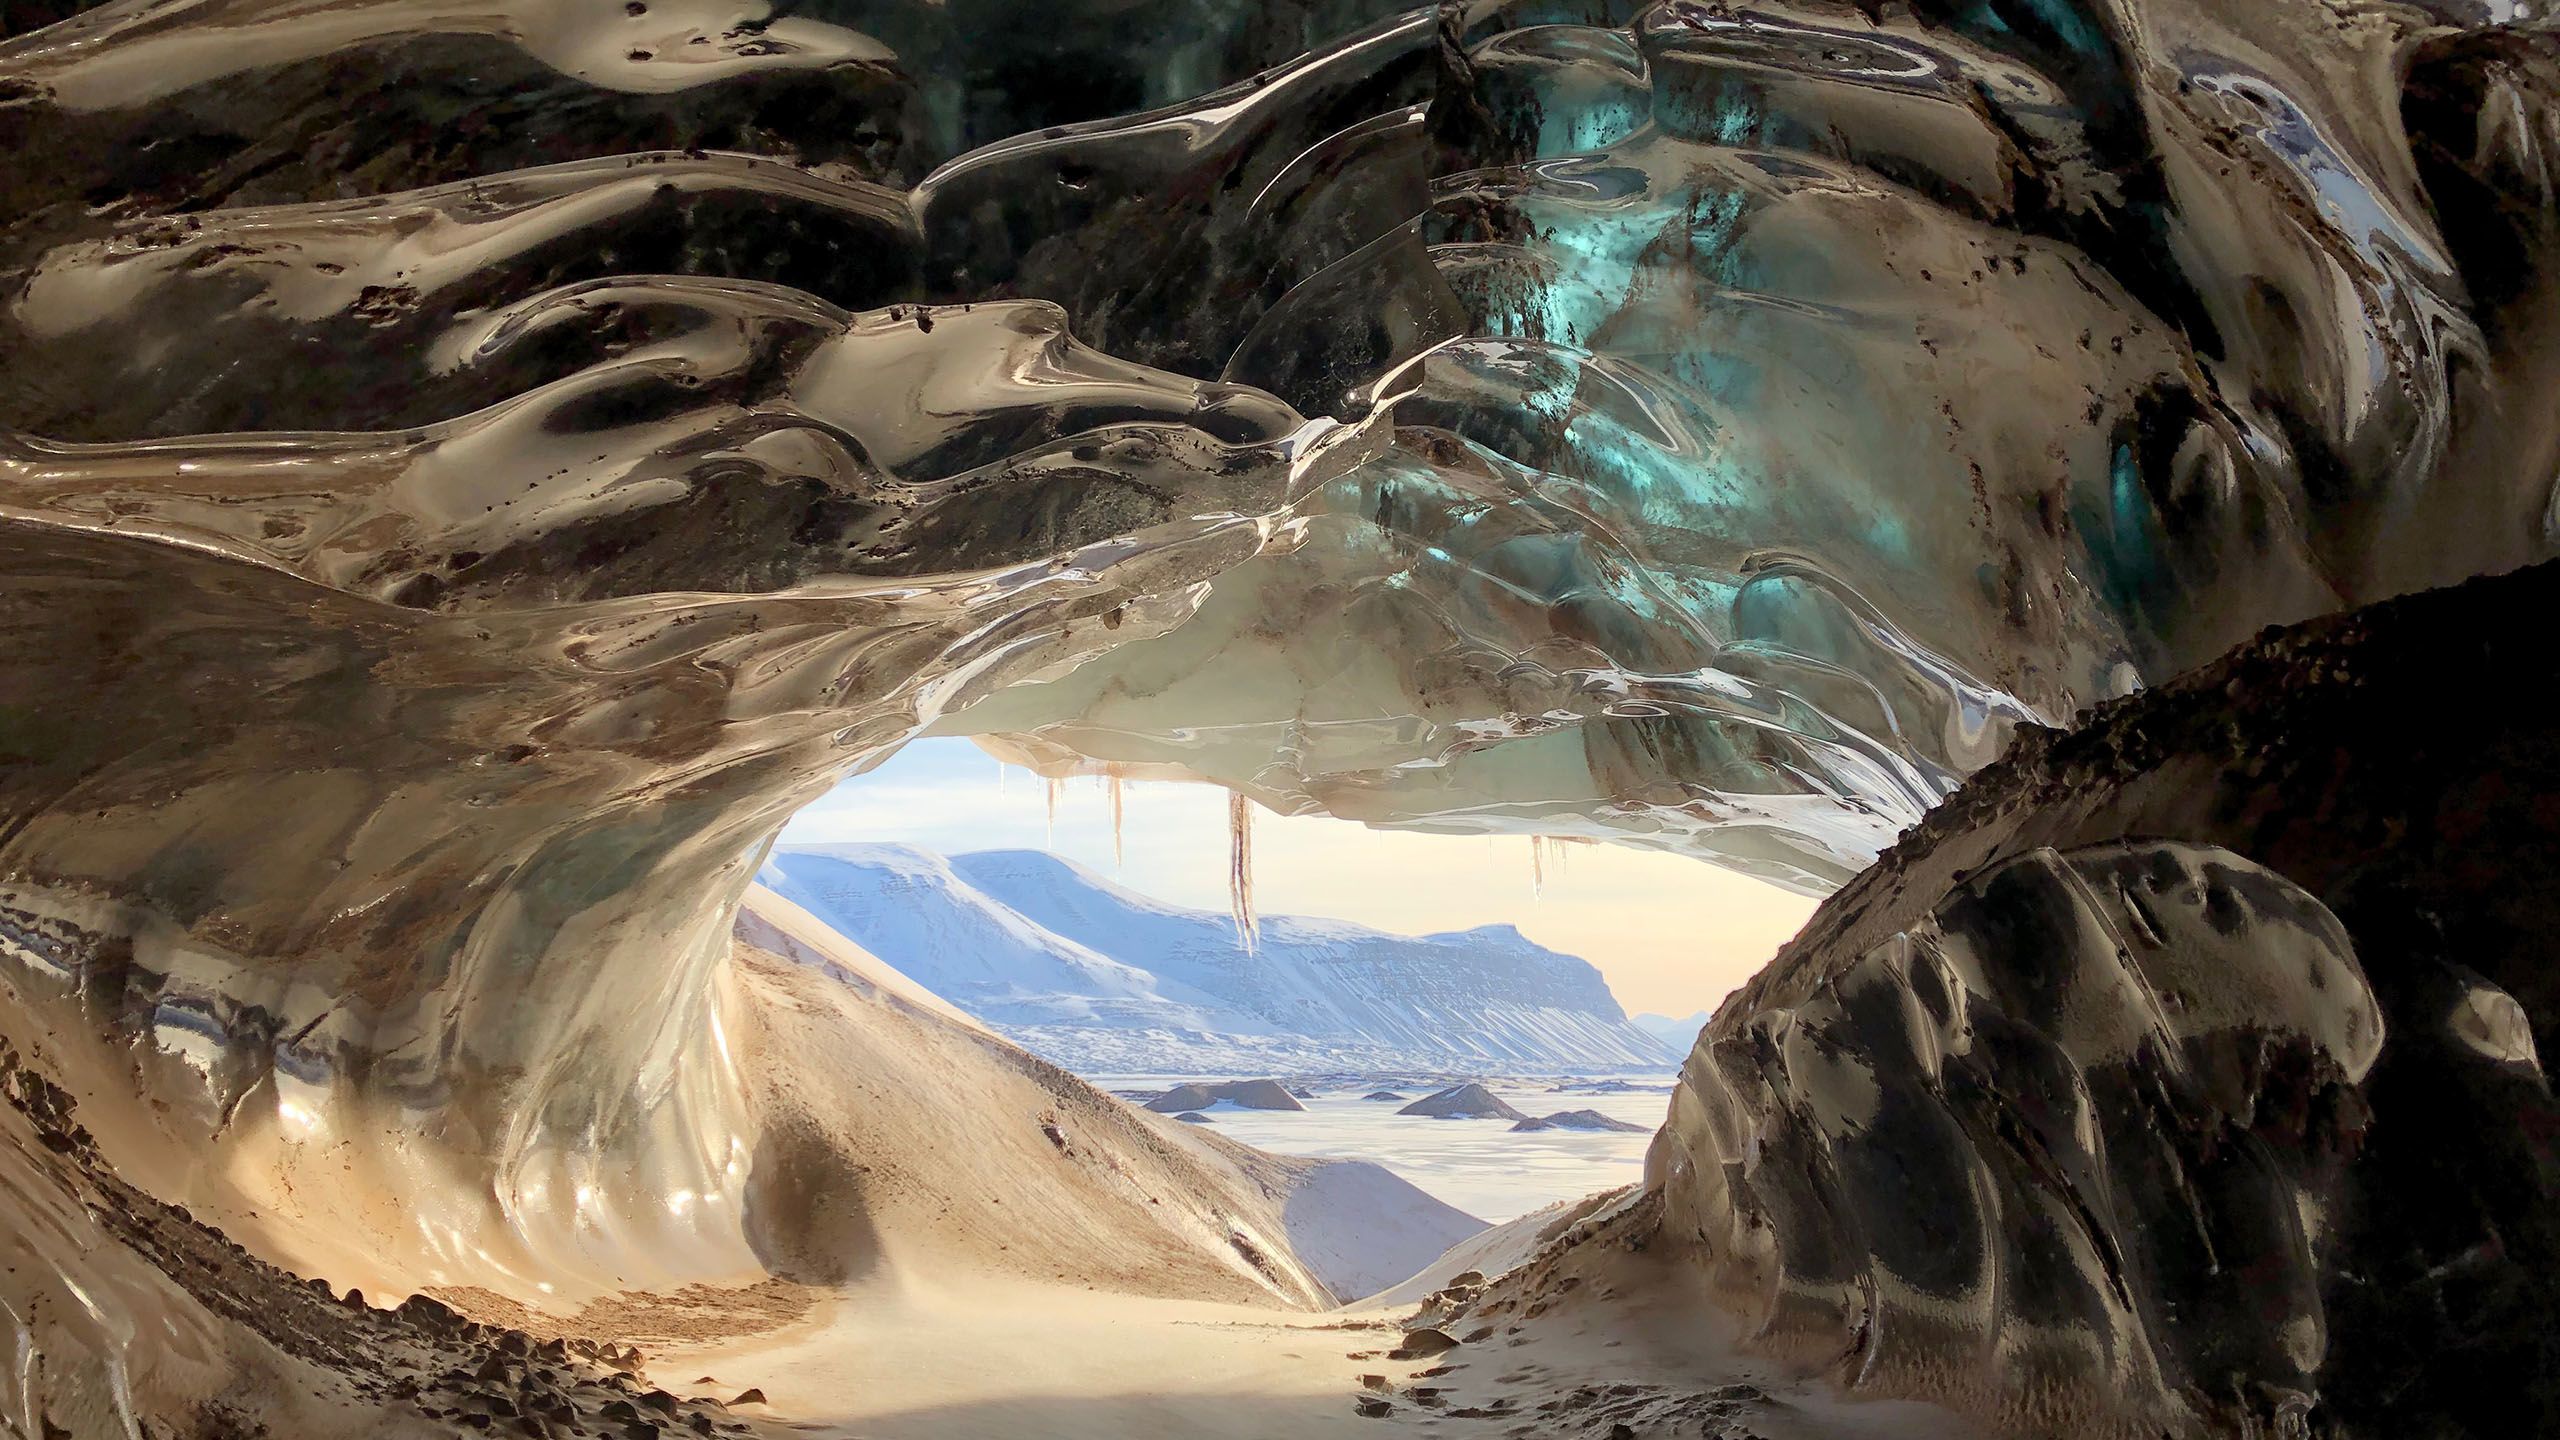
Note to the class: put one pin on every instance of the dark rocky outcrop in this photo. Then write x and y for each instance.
(1581, 1120)
(2186, 1063)
(1244, 1094)
(1463, 1102)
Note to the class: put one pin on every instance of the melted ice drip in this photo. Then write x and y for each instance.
(1240, 869)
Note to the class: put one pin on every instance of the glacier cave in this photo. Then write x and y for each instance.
(2071, 482)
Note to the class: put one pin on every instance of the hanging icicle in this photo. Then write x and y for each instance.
(1117, 799)
(1240, 869)
(1054, 787)
(1537, 867)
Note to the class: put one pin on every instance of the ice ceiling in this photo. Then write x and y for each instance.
(467, 473)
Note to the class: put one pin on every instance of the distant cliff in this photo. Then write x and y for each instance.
(1104, 980)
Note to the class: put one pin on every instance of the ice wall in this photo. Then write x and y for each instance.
(2182, 1075)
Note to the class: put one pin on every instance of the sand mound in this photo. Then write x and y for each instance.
(1241, 1094)
(1463, 1102)
(1581, 1120)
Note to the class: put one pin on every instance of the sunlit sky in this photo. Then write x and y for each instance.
(1672, 935)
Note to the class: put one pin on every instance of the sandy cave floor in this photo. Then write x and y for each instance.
(1589, 1336)
(1605, 1349)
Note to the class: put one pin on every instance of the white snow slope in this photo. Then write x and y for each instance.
(1103, 980)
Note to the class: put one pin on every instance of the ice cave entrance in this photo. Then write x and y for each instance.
(1496, 1019)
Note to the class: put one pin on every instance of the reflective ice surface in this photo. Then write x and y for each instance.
(2067, 1150)
(466, 474)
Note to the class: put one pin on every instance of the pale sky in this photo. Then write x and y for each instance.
(1672, 935)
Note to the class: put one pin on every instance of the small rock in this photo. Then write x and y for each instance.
(749, 1396)
(1373, 1407)
(1422, 1342)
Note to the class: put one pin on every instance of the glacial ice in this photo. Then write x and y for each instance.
(467, 475)
(2000, 1136)
(2191, 1135)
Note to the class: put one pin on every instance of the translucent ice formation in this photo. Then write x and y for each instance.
(1998, 1153)
(2092, 1131)
(467, 473)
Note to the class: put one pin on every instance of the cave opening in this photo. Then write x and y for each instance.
(1307, 985)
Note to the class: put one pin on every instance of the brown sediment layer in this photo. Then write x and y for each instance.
(418, 1361)
(692, 1315)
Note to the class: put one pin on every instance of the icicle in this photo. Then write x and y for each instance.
(1537, 867)
(1240, 869)
(1054, 787)
(1116, 812)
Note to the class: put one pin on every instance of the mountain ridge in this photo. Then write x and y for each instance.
(1677, 1031)
(1107, 980)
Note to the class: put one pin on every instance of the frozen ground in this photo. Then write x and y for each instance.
(1480, 1166)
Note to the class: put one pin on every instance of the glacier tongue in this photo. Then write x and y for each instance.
(1107, 981)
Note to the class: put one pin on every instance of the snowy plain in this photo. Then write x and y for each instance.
(1480, 1166)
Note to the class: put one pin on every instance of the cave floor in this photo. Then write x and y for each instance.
(1004, 1362)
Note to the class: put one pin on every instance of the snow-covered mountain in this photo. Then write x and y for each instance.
(1679, 1033)
(1104, 980)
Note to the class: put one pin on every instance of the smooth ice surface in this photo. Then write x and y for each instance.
(467, 475)
(2085, 1121)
